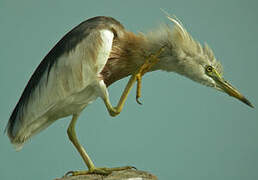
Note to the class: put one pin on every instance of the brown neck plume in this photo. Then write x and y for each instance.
(128, 53)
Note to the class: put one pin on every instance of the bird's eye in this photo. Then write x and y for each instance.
(209, 69)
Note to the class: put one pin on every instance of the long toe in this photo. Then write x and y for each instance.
(101, 171)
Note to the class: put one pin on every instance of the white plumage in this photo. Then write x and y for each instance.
(95, 54)
(68, 88)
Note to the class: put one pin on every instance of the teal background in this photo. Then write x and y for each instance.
(183, 130)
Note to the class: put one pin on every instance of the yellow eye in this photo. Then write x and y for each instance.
(209, 69)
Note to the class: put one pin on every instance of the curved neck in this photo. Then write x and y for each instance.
(130, 52)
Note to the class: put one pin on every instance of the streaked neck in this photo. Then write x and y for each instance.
(131, 51)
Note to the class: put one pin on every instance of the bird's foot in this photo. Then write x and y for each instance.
(147, 65)
(100, 171)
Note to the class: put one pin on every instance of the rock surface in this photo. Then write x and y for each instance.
(130, 174)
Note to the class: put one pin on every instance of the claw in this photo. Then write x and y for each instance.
(138, 90)
(70, 173)
(132, 167)
(138, 101)
(147, 65)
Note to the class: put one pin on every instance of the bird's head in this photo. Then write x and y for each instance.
(198, 62)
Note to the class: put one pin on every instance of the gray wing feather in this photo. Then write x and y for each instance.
(48, 68)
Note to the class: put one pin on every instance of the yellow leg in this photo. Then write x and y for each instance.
(73, 138)
(149, 63)
(92, 169)
(138, 89)
(137, 76)
(113, 111)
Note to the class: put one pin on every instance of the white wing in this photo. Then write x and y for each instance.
(64, 88)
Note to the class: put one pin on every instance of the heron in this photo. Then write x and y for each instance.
(97, 53)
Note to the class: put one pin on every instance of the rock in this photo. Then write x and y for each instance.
(129, 174)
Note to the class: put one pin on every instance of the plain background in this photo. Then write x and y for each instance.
(183, 130)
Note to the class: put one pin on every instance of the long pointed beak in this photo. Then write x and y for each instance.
(230, 90)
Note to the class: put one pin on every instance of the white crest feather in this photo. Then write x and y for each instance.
(184, 41)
